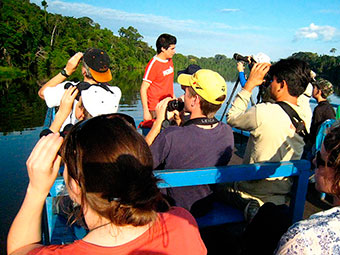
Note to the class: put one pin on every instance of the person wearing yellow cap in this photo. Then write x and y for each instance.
(202, 141)
(95, 70)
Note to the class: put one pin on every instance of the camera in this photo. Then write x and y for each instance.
(239, 57)
(175, 105)
(268, 77)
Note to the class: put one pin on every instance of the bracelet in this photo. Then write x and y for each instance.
(63, 73)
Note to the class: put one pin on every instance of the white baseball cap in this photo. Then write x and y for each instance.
(261, 58)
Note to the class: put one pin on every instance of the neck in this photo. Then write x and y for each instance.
(196, 114)
(321, 99)
(162, 56)
(288, 98)
(104, 233)
(89, 80)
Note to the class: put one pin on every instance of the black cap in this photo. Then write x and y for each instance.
(191, 69)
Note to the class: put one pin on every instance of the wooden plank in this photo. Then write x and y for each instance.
(210, 175)
(299, 170)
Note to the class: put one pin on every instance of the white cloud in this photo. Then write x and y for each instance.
(325, 33)
(331, 11)
(207, 37)
(230, 10)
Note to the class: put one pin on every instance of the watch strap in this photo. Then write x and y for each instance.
(63, 72)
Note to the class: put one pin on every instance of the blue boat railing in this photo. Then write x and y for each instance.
(220, 213)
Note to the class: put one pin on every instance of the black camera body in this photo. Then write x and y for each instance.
(175, 105)
(268, 77)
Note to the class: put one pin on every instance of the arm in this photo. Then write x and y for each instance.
(240, 68)
(65, 108)
(42, 167)
(143, 95)
(157, 125)
(70, 67)
(238, 116)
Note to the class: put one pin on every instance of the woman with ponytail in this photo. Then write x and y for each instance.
(108, 172)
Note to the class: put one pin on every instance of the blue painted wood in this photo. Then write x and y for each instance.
(220, 214)
(222, 174)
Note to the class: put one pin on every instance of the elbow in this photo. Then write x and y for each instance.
(41, 93)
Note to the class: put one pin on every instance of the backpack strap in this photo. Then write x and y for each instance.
(299, 124)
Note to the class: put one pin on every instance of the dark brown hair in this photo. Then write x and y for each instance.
(112, 164)
(208, 109)
(332, 146)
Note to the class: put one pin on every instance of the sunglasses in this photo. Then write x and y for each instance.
(81, 124)
(122, 116)
(320, 162)
(75, 133)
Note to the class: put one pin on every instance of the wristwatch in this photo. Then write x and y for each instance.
(63, 72)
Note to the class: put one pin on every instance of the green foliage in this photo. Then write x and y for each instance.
(220, 63)
(327, 67)
(9, 73)
(35, 45)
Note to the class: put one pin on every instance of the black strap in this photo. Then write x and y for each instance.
(85, 85)
(299, 124)
(201, 121)
(197, 121)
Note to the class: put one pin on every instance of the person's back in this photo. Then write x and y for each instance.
(109, 173)
(324, 110)
(202, 141)
(273, 135)
(274, 139)
(96, 71)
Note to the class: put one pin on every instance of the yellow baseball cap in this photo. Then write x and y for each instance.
(206, 83)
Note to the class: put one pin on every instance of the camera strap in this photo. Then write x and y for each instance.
(201, 121)
(299, 124)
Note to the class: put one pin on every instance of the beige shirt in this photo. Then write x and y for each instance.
(272, 134)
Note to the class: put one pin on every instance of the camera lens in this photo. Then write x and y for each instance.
(175, 105)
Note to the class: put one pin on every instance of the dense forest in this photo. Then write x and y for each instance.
(34, 42)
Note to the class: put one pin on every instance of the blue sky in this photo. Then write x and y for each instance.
(207, 28)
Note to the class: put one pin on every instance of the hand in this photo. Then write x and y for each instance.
(240, 66)
(67, 100)
(73, 63)
(161, 108)
(256, 75)
(43, 163)
(147, 115)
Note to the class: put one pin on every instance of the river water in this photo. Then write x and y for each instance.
(17, 145)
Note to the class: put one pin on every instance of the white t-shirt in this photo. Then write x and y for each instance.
(53, 96)
(96, 100)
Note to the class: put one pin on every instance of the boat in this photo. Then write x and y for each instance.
(57, 231)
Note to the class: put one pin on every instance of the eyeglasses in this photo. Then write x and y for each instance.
(320, 162)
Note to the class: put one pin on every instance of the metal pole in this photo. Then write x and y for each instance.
(230, 98)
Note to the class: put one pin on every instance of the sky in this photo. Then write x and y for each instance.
(210, 27)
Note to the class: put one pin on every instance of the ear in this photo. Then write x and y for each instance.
(83, 71)
(76, 191)
(283, 84)
(81, 114)
(196, 101)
